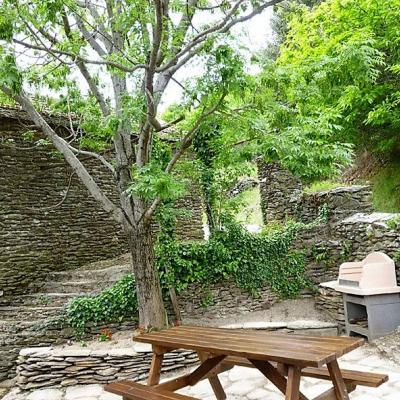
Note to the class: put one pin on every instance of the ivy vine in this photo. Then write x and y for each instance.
(113, 304)
(251, 260)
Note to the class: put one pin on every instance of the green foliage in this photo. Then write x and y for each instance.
(250, 260)
(340, 60)
(396, 256)
(321, 186)
(113, 304)
(386, 188)
(394, 222)
(250, 212)
(219, 168)
(151, 181)
(10, 75)
(283, 13)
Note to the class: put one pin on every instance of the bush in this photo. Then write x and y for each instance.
(252, 261)
(113, 304)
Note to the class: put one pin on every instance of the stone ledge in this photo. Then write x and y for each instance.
(59, 367)
(312, 327)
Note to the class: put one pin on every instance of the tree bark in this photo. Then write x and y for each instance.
(148, 289)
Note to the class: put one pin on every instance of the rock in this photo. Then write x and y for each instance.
(310, 324)
(142, 347)
(34, 351)
(83, 392)
(45, 394)
(108, 371)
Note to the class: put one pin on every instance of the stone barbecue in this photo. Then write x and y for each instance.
(370, 294)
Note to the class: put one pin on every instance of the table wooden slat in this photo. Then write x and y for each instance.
(318, 344)
(286, 348)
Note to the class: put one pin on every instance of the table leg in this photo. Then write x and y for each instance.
(337, 380)
(155, 368)
(290, 385)
(214, 381)
(293, 383)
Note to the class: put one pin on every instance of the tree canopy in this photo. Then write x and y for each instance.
(341, 61)
(107, 64)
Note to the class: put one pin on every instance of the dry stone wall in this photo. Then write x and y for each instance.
(44, 367)
(341, 202)
(352, 231)
(282, 197)
(279, 191)
(223, 299)
(355, 237)
(48, 220)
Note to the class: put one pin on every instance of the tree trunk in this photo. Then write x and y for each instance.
(150, 302)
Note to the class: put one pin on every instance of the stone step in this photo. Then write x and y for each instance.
(28, 312)
(45, 299)
(84, 287)
(113, 273)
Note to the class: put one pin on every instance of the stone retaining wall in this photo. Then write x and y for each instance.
(47, 332)
(48, 220)
(283, 197)
(351, 240)
(223, 299)
(279, 191)
(352, 231)
(341, 202)
(44, 367)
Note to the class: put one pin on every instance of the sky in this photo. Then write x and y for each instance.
(252, 36)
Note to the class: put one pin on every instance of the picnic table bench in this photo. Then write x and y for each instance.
(281, 358)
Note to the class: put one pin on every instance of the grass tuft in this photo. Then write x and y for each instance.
(386, 189)
(322, 186)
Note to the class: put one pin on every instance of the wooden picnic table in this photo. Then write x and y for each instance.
(281, 358)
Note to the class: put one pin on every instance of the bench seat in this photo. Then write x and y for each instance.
(130, 390)
(349, 376)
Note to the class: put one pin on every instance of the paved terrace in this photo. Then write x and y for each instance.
(248, 384)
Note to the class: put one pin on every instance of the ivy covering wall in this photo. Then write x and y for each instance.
(252, 261)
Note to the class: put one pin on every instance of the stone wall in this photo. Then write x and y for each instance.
(223, 299)
(48, 220)
(283, 197)
(47, 332)
(279, 191)
(44, 367)
(341, 202)
(352, 231)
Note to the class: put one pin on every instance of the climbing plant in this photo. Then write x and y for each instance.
(252, 261)
(111, 305)
(232, 253)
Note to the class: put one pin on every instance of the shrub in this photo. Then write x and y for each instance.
(113, 304)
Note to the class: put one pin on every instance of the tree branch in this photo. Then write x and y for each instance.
(85, 73)
(94, 155)
(223, 26)
(74, 57)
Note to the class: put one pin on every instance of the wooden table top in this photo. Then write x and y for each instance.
(290, 349)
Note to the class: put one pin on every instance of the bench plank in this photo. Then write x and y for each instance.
(360, 378)
(135, 391)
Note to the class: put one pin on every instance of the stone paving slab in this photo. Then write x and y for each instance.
(247, 384)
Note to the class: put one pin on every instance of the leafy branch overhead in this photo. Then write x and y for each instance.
(107, 64)
(127, 53)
